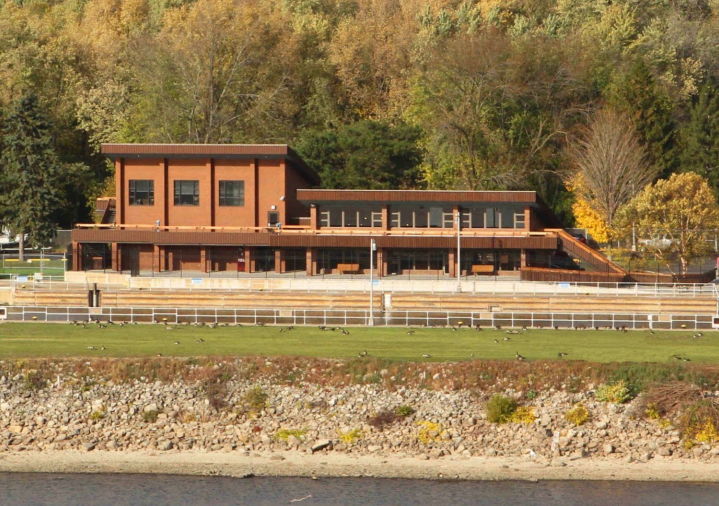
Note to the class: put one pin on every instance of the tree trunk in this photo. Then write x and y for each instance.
(685, 265)
(21, 247)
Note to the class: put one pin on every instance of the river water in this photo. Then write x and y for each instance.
(158, 490)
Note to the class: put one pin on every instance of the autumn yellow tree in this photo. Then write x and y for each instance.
(677, 215)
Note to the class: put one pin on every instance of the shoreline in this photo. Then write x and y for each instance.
(328, 465)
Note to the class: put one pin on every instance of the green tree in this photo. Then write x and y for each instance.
(676, 215)
(31, 174)
(651, 113)
(700, 136)
(366, 154)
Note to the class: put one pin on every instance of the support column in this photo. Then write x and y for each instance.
(385, 217)
(314, 216)
(527, 218)
(156, 259)
(451, 260)
(76, 256)
(311, 262)
(115, 257)
(162, 265)
(203, 258)
(381, 262)
(249, 262)
(279, 261)
(523, 258)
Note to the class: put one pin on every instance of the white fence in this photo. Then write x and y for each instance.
(361, 317)
(480, 287)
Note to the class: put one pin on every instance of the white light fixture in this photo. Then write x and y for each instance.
(282, 198)
(273, 207)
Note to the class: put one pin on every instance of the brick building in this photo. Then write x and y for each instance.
(253, 208)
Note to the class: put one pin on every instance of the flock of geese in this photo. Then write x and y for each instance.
(96, 323)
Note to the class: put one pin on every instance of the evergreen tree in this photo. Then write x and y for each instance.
(30, 174)
(651, 114)
(700, 136)
(365, 155)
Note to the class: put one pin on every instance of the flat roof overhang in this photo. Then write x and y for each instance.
(547, 242)
(216, 151)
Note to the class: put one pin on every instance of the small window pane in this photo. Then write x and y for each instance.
(232, 193)
(187, 193)
(142, 192)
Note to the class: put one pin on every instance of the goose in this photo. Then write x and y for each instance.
(345, 332)
(363, 354)
(561, 354)
(91, 348)
(426, 355)
(507, 339)
(496, 342)
(519, 357)
(102, 348)
(498, 327)
(176, 342)
(410, 332)
(479, 328)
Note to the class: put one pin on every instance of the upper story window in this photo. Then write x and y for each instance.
(142, 192)
(232, 193)
(519, 220)
(187, 193)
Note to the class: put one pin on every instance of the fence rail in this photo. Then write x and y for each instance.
(505, 319)
(340, 285)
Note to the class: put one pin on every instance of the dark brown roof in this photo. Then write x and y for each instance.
(459, 197)
(235, 151)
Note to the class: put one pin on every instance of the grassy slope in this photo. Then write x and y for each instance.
(64, 340)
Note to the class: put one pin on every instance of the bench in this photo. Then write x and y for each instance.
(482, 269)
(343, 268)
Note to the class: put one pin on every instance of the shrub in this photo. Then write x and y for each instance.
(531, 394)
(34, 380)
(150, 416)
(404, 410)
(284, 434)
(255, 399)
(97, 415)
(578, 415)
(429, 432)
(524, 414)
(617, 393)
(382, 418)
(216, 395)
(500, 408)
(351, 436)
(699, 421)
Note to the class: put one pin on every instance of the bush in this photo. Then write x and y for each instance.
(429, 432)
(351, 436)
(382, 418)
(404, 410)
(578, 415)
(216, 394)
(97, 415)
(500, 408)
(34, 380)
(524, 414)
(150, 416)
(700, 421)
(284, 434)
(255, 399)
(617, 393)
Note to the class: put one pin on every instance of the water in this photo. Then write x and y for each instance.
(150, 490)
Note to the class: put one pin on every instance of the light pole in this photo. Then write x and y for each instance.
(372, 249)
(458, 219)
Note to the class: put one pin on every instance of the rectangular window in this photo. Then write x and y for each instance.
(518, 220)
(273, 218)
(232, 193)
(394, 219)
(187, 193)
(142, 192)
(492, 218)
(435, 217)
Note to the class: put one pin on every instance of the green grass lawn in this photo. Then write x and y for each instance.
(65, 340)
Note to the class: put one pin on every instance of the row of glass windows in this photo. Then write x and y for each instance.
(187, 193)
(433, 217)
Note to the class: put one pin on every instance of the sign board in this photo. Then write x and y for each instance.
(196, 281)
(564, 285)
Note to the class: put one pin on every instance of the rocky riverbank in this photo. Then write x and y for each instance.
(247, 417)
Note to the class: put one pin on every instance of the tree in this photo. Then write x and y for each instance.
(700, 136)
(30, 174)
(366, 154)
(678, 215)
(611, 164)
